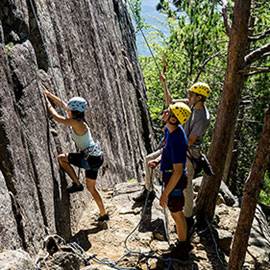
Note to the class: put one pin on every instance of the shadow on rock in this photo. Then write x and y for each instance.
(174, 264)
(209, 239)
(157, 226)
(81, 237)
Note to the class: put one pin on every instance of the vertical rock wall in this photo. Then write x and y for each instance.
(81, 47)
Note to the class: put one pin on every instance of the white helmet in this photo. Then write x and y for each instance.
(77, 104)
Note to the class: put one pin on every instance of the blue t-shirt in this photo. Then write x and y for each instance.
(174, 151)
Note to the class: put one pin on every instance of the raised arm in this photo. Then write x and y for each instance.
(56, 100)
(56, 116)
(185, 100)
(167, 95)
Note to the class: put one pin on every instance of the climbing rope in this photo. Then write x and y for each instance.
(166, 225)
(144, 37)
(209, 228)
(209, 225)
(78, 250)
(142, 214)
(136, 227)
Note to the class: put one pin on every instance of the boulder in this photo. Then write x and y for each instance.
(259, 239)
(16, 259)
(224, 191)
(224, 241)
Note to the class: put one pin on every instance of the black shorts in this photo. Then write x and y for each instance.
(91, 164)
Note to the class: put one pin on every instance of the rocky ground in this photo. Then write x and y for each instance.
(119, 244)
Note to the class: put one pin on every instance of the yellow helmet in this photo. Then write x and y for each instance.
(181, 111)
(200, 89)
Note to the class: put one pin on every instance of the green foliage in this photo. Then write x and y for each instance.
(196, 50)
(255, 99)
(135, 7)
(265, 192)
(196, 37)
(8, 48)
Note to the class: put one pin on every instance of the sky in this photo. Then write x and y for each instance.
(155, 19)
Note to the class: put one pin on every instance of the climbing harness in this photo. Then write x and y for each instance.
(74, 246)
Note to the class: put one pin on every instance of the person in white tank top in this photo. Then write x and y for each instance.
(90, 155)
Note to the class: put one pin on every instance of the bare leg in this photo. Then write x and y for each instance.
(64, 164)
(91, 186)
(181, 225)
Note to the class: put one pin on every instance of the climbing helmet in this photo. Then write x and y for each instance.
(181, 111)
(77, 104)
(200, 88)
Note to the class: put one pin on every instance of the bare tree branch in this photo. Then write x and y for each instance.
(204, 64)
(256, 70)
(266, 54)
(224, 13)
(260, 36)
(257, 54)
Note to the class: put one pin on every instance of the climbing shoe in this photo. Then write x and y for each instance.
(75, 188)
(103, 218)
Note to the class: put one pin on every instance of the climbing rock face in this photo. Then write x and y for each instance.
(74, 48)
(8, 227)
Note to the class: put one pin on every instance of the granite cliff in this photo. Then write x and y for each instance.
(84, 48)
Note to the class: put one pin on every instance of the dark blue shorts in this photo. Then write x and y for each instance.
(176, 200)
(91, 164)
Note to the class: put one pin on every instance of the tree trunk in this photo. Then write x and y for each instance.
(251, 192)
(228, 108)
(235, 183)
(228, 161)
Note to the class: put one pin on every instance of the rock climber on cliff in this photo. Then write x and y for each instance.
(90, 155)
